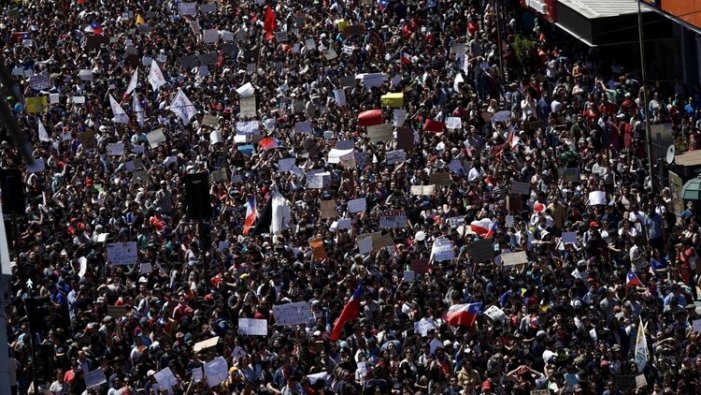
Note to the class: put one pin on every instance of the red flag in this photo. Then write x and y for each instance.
(434, 126)
(350, 312)
(269, 23)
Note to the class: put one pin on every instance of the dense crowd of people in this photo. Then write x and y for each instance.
(450, 216)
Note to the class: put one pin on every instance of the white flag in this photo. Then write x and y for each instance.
(132, 83)
(281, 213)
(43, 135)
(183, 107)
(138, 110)
(155, 76)
(458, 80)
(120, 116)
(641, 352)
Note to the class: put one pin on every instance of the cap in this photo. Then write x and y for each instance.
(486, 385)
(593, 225)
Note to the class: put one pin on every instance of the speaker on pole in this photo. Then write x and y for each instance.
(12, 191)
(197, 201)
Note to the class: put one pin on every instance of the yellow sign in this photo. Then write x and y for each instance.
(36, 105)
(394, 100)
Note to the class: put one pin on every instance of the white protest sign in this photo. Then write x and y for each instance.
(371, 80)
(248, 127)
(456, 166)
(335, 154)
(37, 166)
(696, 325)
(217, 371)
(205, 344)
(344, 223)
(340, 96)
(396, 156)
(246, 90)
(569, 237)
(392, 219)
(357, 205)
(122, 253)
(454, 222)
(286, 164)
(442, 249)
(115, 149)
(40, 81)
(453, 123)
(247, 106)
(145, 268)
(400, 116)
(185, 9)
(253, 327)
(344, 144)
(165, 378)
(292, 313)
(421, 190)
(313, 378)
(514, 258)
(495, 313)
(210, 36)
(197, 374)
(409, 276)
(365, 245)
(155, 138)
(94, 378)
(597, 198)
(509, 221)
(318, 180)
(423, 326)
(303, 127)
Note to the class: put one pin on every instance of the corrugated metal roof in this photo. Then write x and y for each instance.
(593, 9)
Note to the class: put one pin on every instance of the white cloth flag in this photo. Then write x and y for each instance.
(132, 82)
(456, 83)
(281, 213)
(155, 76)
(642, 353)
(43, 135)
(120, 116)
(183, 107)
(138, 110)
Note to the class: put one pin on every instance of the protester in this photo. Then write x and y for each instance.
(446, 215)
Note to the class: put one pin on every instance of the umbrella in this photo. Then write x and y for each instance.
(692, 189)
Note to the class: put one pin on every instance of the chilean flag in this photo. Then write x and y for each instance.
(94, 28)
(251, 214)
(463, 314)
(269, 143)
(483, 227)
(350, 312)
(492, 231)
(632, 280)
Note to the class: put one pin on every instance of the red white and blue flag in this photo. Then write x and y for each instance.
(251, 214)
(268, 143)
(632, 280)
(483, 227)
(95, 28)
(463, 314)
(492, 230)
(350, 312)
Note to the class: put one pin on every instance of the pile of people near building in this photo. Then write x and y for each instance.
(405, 197)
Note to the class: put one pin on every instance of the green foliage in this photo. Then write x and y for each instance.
(523, 49)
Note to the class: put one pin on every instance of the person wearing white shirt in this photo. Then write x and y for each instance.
(476, 172)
